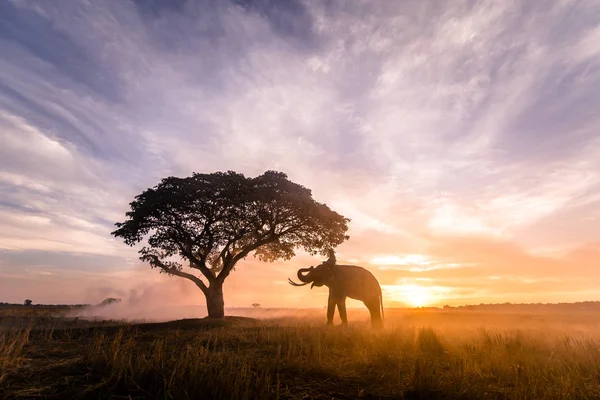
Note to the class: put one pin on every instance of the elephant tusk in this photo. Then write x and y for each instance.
(291, 282)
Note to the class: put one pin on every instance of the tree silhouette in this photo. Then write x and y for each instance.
(255, 305)
(212, 221)
(27, 302)
(110, 300)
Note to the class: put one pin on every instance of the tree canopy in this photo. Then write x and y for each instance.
(212, 221)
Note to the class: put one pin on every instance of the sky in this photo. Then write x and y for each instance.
(461, 138)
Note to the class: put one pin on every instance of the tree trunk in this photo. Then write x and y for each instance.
(214, 301)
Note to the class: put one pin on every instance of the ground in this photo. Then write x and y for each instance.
(422, 354)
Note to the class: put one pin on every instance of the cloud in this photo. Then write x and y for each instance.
(442, 130)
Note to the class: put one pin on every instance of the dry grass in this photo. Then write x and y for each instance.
(247, 359)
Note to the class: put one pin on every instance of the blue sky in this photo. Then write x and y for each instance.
(461, 138)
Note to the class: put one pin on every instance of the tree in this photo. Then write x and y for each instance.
(27, 302)
(255, 305)
(212, 221)
(110, 300)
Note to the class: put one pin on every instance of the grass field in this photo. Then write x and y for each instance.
(420, 355)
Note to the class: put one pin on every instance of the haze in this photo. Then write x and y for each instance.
(461, 138)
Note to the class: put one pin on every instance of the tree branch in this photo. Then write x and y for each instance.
(227, 268)
(174, 271)
(225, 251)
(198, 264)
(291, 229)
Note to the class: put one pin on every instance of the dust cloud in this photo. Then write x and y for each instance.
(173, 300)
(155, 301)
(148, 311)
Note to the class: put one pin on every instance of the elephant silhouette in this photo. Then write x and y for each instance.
(344, 281)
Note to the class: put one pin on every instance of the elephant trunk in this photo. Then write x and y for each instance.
(301, 277)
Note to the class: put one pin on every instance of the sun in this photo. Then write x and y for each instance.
(416, 295)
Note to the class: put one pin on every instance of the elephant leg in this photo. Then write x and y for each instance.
(341, 304)
(374, 308)
(331, 302)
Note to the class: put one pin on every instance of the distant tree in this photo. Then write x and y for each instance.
(110, 300)
(212, 221)
(255, 305)
(27, 302)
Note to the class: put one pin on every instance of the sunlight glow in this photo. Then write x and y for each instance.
(414, 294)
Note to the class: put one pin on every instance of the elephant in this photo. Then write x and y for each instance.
(345, 281)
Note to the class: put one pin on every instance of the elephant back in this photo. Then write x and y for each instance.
(357, 282)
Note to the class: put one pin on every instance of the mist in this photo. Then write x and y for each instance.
(141, 310)
(175, 299)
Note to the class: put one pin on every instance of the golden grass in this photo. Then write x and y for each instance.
(249, 360)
